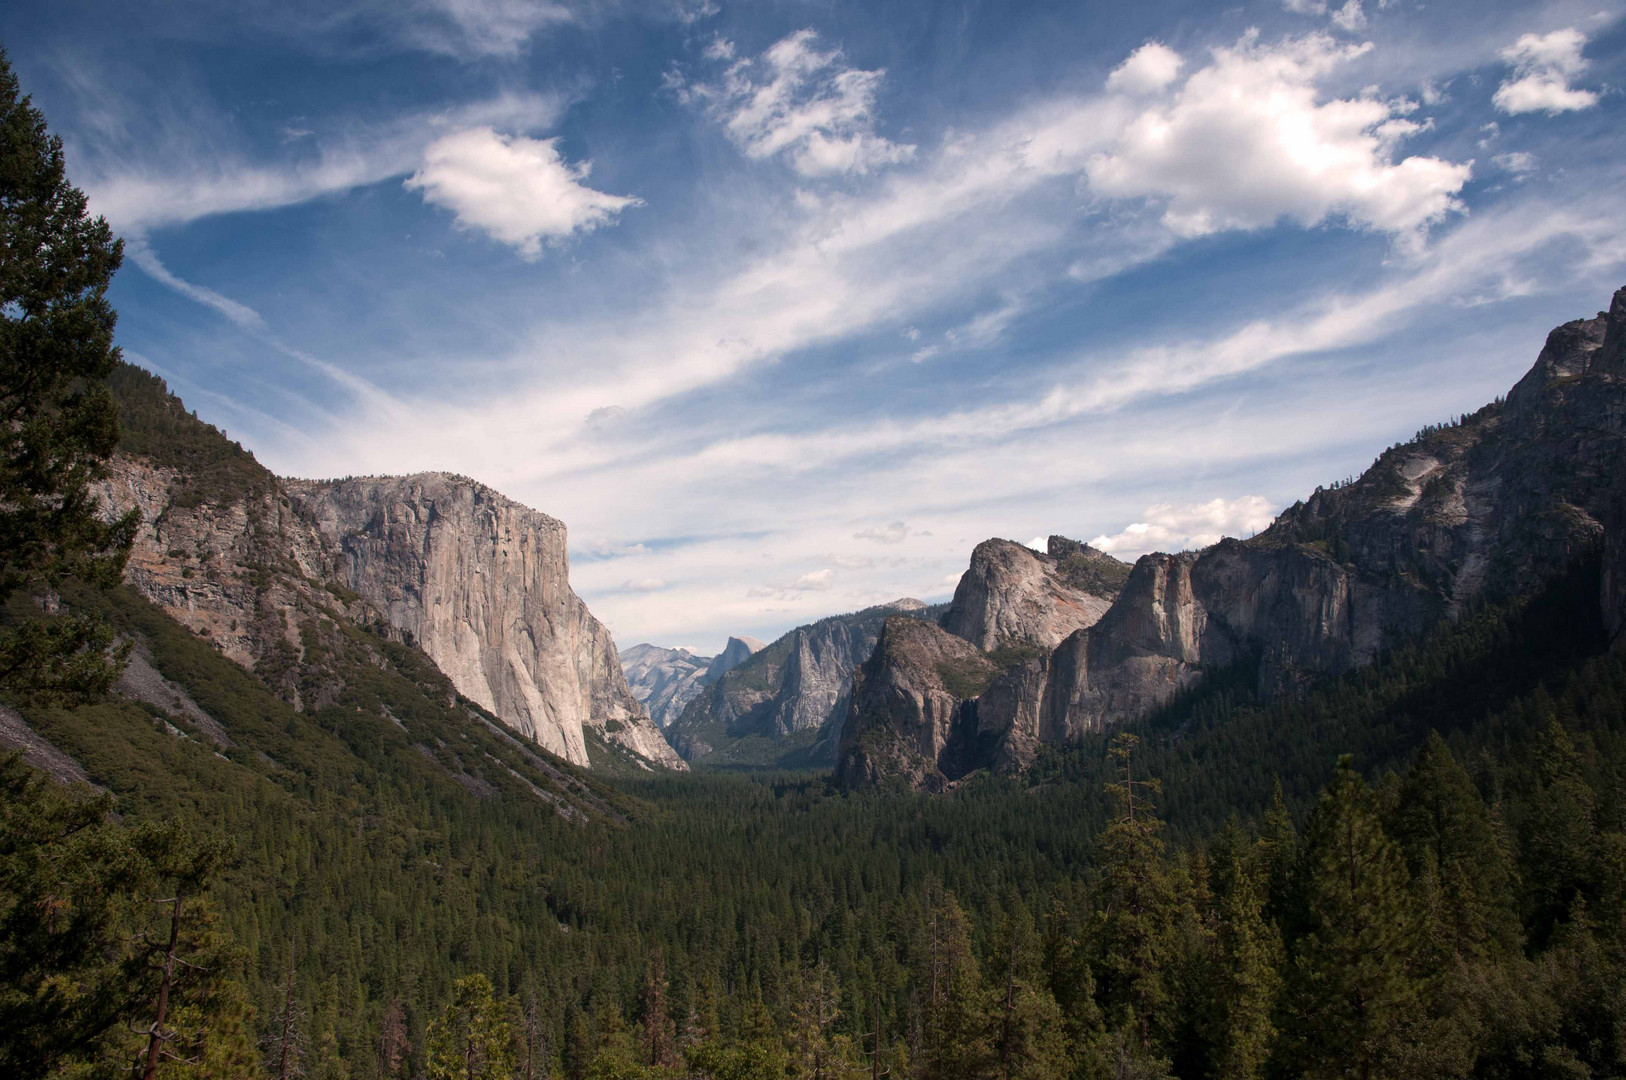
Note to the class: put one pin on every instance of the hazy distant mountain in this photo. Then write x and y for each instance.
(736, 652)
(664, 679)
(783, 704)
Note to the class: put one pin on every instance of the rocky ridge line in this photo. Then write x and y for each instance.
(1490, 506)
(266, 569)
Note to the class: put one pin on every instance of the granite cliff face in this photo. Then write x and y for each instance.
(785, 703)
(911, 717)
(482, 585)
(270, 570)
(1014, 595)
(736, 652)
(665, 680)
(239, 568)
(1490, 505)
(1614, 567)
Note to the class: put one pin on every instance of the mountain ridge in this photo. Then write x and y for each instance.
(269, 569)
(1488, 506)
(782, 706)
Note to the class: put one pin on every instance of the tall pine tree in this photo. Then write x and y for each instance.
(1351, 988)
(1136, 903)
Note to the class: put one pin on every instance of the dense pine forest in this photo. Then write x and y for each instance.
(1415, 868)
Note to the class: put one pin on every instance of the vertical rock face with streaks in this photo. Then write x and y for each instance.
(481, 584)
(784, 703)
(1012, 594)
(277, 573)
(1490, 505)
(911, 718)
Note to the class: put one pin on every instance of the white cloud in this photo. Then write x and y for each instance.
(175, 178)
(1543, 65)
(1166, 527)
(1349, 17)
(800, 102)
(984, 329)
(485, 27)
(650, 584)
(1149, 68)
(606, 549)
(518, 191)
(892, 533)
(1247, 141)
(1517, 162)
(817, 579)
(143, 256)
(693, 11)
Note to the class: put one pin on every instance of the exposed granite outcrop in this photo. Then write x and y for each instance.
(1614, 566)
(243, 571)
(1488, 506)
(666, 680)
(910, 717)
(786, 701)
(736, 652)
(1013, 594)
(481, 584)
(265, 569)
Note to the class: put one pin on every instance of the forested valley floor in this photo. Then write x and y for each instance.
(1414, 869)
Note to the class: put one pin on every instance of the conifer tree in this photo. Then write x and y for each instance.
(285, 1039)
(1351, 990)
(953, 1041)
(579, 1046)
(533, 1039)
(1136, 902)
(472, 1039)
(1028, 1034)
(1067, 971)
(1560, 855)
(1277, 853)
(659, 1032)
(1243, 980)
(58, 422)
(70, 882)
(816, 1008)
(1451, 836)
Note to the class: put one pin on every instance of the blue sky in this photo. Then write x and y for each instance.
(782, 307)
